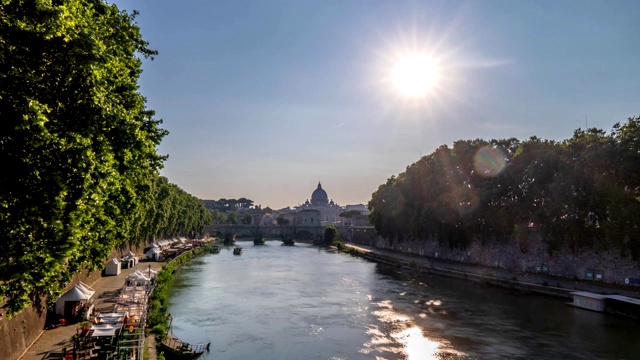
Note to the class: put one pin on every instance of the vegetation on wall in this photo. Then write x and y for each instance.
(78, 146)
(157, 319)
(580, 193)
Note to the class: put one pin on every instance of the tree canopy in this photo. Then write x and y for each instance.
(583, 192)
(77, 144)
(226, 205)
(330, 234)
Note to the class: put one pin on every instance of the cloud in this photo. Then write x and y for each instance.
(339, 125)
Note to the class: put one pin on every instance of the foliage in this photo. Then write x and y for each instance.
(282, 221)
(157, 320)
(232, 217)
(583, 192)
(175, 212)
(247, 219)
(331, 234)
(77, 137)
(225, 205)
(81, 146)
(218, 216)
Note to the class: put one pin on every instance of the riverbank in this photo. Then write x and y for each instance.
(526, 282)
(57, 342)
(52, 342)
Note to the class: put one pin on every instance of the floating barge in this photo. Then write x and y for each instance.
(589, 301)
(614, 304)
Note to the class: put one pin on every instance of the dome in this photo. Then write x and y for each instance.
(319, 196)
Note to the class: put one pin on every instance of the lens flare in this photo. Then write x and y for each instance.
(488, 161)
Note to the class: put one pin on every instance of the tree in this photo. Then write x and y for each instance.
(579, 193)
(247, 218)
(282, 221)
(245, 203)
(78, 138)
(218, 216)
(232, 217)
(331, 234)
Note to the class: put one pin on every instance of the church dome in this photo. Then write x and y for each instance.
(319, 196)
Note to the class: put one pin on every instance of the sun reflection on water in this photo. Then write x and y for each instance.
(416, 345)
(400, 334)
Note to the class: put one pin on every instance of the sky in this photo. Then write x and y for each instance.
(264, 99)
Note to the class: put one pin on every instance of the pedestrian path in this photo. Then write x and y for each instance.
(53, 342)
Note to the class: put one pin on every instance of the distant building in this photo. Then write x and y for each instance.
(329, 211)
(359, 207)
(308, 217)
(267, 219)
(360, 220)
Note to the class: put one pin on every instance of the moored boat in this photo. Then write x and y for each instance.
(237, 250)
(175, 349)
(215, 249)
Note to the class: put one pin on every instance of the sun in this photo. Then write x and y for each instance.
(415, 75)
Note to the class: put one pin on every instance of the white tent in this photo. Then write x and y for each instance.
(149, 273)
(154, 253)
(73, 295)
(112, 267)
(111, 318)
(85, 288)
(136, 278)
(164, 243)
(130, 254)
(105, 329)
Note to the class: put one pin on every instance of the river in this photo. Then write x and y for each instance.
(301, 302)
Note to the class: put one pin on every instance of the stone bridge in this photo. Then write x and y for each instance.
(296, 231)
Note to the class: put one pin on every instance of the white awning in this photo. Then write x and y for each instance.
(104, 330)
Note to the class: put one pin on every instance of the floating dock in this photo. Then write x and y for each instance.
(615, 304)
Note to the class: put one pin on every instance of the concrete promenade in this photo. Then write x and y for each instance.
(541, 283)
(51, 343)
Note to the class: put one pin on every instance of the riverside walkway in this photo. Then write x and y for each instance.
(52, 343)
(535, 282)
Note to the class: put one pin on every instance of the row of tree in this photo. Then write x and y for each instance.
(230, 217)
(225, 205)
(77, 147)
(580, 193)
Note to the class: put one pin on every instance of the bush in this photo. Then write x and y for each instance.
(159, 329)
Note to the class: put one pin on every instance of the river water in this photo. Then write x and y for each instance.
(300, 302)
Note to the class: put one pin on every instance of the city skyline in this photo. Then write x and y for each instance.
(265, 99)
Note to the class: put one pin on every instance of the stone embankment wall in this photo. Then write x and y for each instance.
(522, 256)
(17, 334)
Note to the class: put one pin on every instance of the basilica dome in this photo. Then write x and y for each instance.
(319, 196)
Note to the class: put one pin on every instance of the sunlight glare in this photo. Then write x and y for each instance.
(415, 75)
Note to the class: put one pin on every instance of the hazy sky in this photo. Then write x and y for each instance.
(264, 99)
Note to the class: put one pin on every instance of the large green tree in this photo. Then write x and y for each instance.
(583, 192)
(77, 143)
